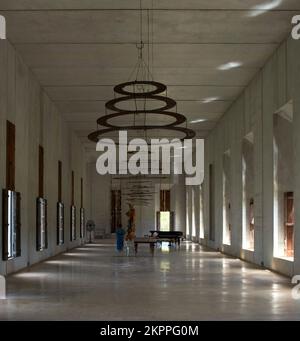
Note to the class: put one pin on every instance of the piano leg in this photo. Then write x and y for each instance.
(135, 248)
(152, 248)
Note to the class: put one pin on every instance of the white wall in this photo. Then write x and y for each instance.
(100, 202)
(178, 202)
(248, 189)
(99, 189)
(273, 87)
(37, 121)
(145, 218)
(99, 195)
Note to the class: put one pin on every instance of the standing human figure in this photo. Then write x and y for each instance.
(120, 233)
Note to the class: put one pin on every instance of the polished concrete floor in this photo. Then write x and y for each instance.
(92, 282)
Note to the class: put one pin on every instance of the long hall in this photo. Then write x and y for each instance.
(149, 160)
(93, 282)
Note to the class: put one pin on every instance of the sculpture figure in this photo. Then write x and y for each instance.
(130, 235)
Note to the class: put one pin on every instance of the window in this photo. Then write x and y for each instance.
(187, 229)
(60, 223)
(41, 224)
(227, 198)
(73, 210)
(11, 225)
(60, 209)
(193, 214)
(201, 212)
(164, 221)
(165, 201)
(73, 224)
(41, 172)
(283, 208)
(82, 211)
(59, 181)
(164, 217)
(82, 222)
(251, 225)
(289, 222)
(211, 202)
(116, 213)
(11, 202)
(10, 155)
(248, 192)
(41, 207)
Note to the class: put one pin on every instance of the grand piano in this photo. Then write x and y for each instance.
(170, 236)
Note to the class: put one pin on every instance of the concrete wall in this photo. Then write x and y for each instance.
(274, 86)
(283, 176)
(99, 195)
(99, 189)
(227, 179)
(145, 216)
(248, 190)
(37, 121)
(178, 202)
(100, 198)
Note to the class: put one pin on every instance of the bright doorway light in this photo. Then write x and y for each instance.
(164, 221)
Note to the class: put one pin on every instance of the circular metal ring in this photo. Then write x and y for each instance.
(179, 118)
(189, 134)
(120, 88)
(169, 103)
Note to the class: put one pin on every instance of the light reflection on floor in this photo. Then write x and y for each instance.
(93, 282)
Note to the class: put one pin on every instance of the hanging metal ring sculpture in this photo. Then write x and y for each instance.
(189, 134)
(179, 118)
(142, 90)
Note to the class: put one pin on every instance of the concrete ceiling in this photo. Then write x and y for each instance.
(79, 50)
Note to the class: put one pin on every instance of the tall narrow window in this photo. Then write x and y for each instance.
(227, 198)
(201, 213)
(193, 213)
(73, 210)
(41, 172)
(284, 183)
(60, 208)
(41, 207)
(81, 192)
(211, 202)
(165, 222)
(116, 213)
(289, 222)
(187, 218)
(82, 212)
(11, 224)
(10, 155)
(59, 182)
(11, 202)
(165, 200)
(248, 191)
(251, 224)
(165, 218)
